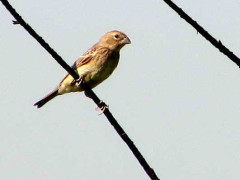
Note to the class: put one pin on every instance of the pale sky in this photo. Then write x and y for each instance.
(176, 96)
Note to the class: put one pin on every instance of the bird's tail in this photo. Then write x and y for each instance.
(47, 98)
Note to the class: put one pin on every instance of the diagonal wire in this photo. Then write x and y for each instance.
(88, 91)
(204, 33)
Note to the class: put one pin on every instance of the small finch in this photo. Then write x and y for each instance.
(94, 66)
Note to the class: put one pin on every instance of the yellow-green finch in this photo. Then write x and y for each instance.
(94, 66)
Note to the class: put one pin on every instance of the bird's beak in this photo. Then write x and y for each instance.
(126, 40)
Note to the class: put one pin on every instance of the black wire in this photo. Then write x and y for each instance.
(204, 33)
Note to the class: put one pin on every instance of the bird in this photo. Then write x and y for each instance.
(93, 67)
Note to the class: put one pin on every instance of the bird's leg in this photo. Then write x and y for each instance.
(79, 81)
(102, 107)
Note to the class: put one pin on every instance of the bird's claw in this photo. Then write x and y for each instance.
(79, 81)
(15, 22)
(101, 107)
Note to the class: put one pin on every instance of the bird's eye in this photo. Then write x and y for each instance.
(116, 36)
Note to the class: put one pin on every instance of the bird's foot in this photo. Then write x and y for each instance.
(79, 81)
(101, 107)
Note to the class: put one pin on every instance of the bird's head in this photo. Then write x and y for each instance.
(114, 40)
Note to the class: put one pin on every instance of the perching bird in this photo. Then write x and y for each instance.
(94, 66)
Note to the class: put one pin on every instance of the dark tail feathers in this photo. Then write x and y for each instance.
(47, 98)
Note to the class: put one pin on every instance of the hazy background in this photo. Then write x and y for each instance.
(176, 96)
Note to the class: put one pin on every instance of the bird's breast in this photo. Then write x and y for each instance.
(102, 69)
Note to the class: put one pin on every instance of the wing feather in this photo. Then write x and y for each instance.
(82, 60)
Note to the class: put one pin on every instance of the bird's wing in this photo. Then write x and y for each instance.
(85, 58)
(82, 60)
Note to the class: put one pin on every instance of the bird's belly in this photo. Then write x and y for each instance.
(92, 78)
(99, 74)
